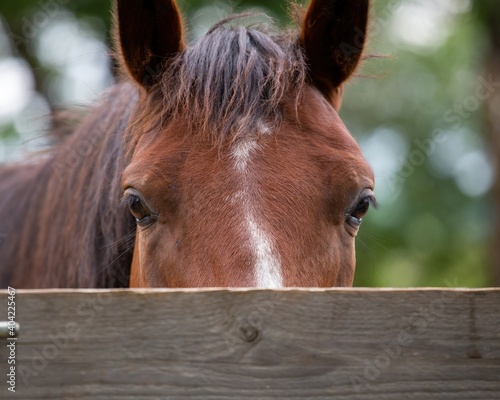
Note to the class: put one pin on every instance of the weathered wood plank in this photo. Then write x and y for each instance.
(218, 344)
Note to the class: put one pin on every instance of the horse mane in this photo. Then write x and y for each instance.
(231, 81)
(73, 191)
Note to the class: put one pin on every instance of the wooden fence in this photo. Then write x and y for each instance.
(255, 344)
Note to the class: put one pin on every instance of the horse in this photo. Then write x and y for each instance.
(219, 163)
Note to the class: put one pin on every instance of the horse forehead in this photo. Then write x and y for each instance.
(312, 129)
(290, 152)
(318, 115)
(323, 126)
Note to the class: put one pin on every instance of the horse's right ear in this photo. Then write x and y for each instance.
(148, 34)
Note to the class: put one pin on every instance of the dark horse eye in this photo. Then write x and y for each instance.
(355, 216)
(139, 209)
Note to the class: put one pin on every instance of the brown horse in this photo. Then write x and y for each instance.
(223, 163)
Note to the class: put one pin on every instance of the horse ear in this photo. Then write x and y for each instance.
(333, 37)
(148, 33)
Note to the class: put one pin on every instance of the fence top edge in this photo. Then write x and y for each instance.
(251, 290)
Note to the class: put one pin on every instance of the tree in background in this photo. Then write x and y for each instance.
(417, 117)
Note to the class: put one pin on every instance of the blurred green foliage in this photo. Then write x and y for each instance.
(434, 225)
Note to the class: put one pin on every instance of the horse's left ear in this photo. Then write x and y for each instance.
(149, 33)
(333, 37)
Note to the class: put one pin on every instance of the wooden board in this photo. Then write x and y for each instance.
(247, 344)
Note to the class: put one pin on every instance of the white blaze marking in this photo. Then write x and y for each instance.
(241, 154)
(267, 264)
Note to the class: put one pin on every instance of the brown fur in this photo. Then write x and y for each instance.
(306, 179)
(170, 136)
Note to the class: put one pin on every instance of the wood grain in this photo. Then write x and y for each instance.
(251, 344)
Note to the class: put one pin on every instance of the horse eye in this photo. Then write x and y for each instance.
(355, 217)
(139, 210)
(362, 208)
